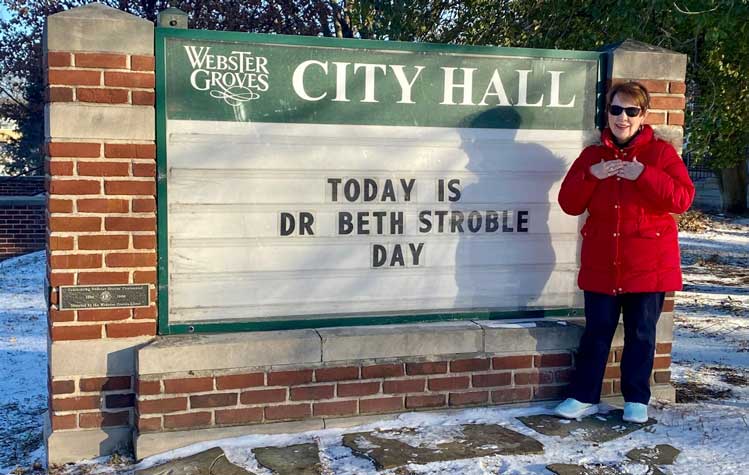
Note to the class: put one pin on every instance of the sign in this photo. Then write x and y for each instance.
(103, 296)
(313, 181)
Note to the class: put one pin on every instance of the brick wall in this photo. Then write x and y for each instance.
(22, 227)
(21, 185)
(264, 395)
(101, 216)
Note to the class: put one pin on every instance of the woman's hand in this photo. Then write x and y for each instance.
(631, 170)
(606, 169)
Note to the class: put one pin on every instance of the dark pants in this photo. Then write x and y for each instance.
(641, 312)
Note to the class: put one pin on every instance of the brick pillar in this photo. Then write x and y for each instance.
(101, 220)
(663, 72)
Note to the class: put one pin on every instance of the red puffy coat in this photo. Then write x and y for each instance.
(629, 239)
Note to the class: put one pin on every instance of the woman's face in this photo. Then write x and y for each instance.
(622, 126)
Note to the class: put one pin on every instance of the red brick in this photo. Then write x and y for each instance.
(262, 396)
(74, 149)
(239, 416)
(145, 312)
(662, 362)
(335, 408)
(144, 169)
(188, 385)
(358, 389)
(662, 377)
(149, 424)
(534, 377)
(75, 261)
(117, 223)
(558, 359)
(76, 403)
(73, 77)
(403, 386)
(102, 278)
(144, 242)
(144, 277)
(336, 374)
(667, 102)
(147, 388)
(184, 421)
(678, 88)
(58, 168)
(143, 98)
(288, 412)
(663, 348)
(129, 259)
(107, 241)
(548, 392)
(512, 362)
(63, 387)
(612, 372)
(130, 187)
(416, 402)
(102, 96)
(103, 169)
(655, 118)
(127, 330)
(473, 364)
(57, 316)
(102, 315)
(213, 400)
(58, 59)
(78, 332)
(74, 187)
(100, 60)
(654, 86)
(236, 381)
(59, 94)
(446, 384)
(289, 378)
(493, 379)
(61, 243)
(147, 205)
(607, 388)
(160, 406)
(59, 278)
(67, 421)
(675, 118)
(307, 393)
(102, 205)
(464, 399)
(563, 376)
(617, 387)
(117, 401)
(74, 223)
(668, 306)
(117, 79)
(500, 396)
(382, 371)
(618, 354)
(127, 150)
(60, 206)
(382, 404)
(142, 63)
(431, 367)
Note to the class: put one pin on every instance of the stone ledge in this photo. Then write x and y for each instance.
(127, 122)
(74, 446)
(520, 337)
(111, 357)
(636, 60)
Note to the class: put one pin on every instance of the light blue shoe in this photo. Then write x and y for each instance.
(635, 412)
(572, 409)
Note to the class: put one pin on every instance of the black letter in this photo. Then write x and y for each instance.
(474, 221)
(425, 220)
(362, 218)
(344, 223)
(456, 221)
(305, 223)
(370, 189)
(492, 221)
(440, 220)
(379, 255)
(522, 221)
(351, 194)
(454, 186)
(388, 191)
(379, 215)
(506, 228)
(440, 190)
(407, 187)
(334, 188)
(396, 222)
(397, 256)
(416, 252)
(287, 224)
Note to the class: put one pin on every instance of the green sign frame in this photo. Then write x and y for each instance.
(163, 35)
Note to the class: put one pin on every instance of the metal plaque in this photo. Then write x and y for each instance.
(73, 297)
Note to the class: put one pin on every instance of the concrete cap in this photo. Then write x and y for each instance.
(98, 28)
(632, 59)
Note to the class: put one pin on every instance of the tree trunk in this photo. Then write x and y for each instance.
(733, 184)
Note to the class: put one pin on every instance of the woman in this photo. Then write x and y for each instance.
(629, 184)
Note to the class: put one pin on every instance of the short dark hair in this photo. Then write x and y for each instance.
(632, 89)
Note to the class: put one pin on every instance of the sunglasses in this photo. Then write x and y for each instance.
(630, 111)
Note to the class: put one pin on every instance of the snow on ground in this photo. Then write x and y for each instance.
(710, 370)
